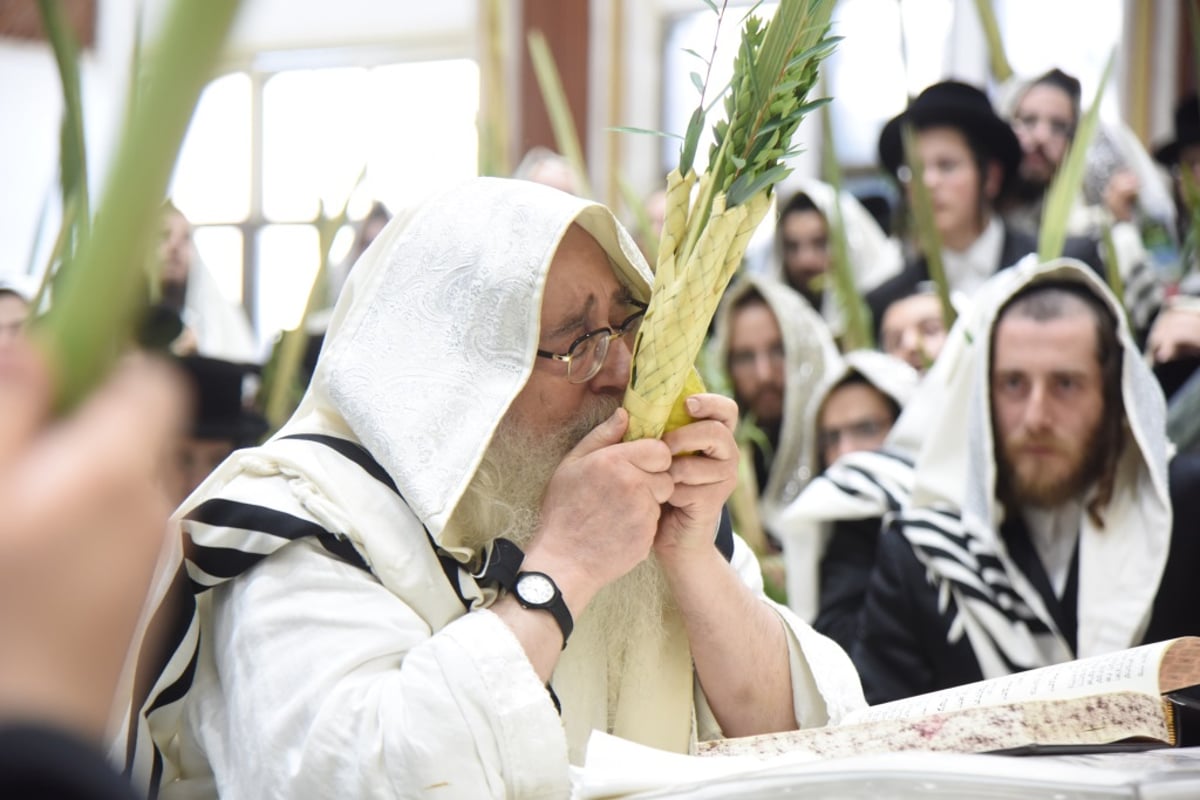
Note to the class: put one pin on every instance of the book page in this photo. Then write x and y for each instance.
(1134, 670)
(1089, 721)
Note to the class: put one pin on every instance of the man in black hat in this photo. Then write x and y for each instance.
(226, 418)
(1174, 341)
(971, 160)
(1182, 153)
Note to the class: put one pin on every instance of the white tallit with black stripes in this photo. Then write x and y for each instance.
(433, 337)
(405, 395)
(953, 518)
(859, 485)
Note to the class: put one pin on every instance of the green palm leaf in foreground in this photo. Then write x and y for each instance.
(1068, 181)
(97, 297)
(927, 232)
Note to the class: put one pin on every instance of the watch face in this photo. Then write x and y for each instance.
(535, 589)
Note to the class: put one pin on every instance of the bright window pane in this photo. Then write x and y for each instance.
(423, 137)
(1034, 40)
(871, 77)
(212, 178)
(220, 248)
(696, 32)
(287, 263)
(313, 139)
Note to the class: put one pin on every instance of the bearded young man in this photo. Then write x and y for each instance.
(776, 349)
(1048, 520)
(1044, 113)
(447, 569)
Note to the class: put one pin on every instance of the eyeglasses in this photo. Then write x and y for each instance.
(585, 357)
(1059, 128)
(863, 430)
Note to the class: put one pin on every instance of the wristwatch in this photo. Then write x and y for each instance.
(538, 590)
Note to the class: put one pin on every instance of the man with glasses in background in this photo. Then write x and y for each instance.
(448, 569)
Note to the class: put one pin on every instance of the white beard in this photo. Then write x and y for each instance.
(504, 500)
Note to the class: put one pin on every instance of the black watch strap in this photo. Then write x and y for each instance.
(502, 564)
(555, 603)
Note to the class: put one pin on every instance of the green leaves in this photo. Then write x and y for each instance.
(97, 299)
(774, 70)
(997, 59)
(927, 233)
(1064, 189)
(857, 334)
(73, 151)
(565, 135)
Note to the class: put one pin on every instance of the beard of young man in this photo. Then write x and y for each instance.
(1051, 479)
(504, 500)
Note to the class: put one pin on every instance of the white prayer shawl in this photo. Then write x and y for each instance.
(810, 354)
(954, 517)
(857, 486)
(874, 257)
(432, 338)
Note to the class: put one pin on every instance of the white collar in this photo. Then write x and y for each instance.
(1054, 532)
(967, 269)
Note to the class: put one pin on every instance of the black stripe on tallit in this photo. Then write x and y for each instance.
(892, 501)
(221, 512)
(360, 456)
(983, 561)
(355, 452)
(180, 687)
(170, 624)
(156, 771)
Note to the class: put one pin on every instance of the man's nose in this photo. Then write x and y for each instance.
(1037, 409)
(763, 367)
(614, 373)
(910, 345)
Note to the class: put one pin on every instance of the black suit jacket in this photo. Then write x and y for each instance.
(41, 762)
(901, 648)
(1015, 246)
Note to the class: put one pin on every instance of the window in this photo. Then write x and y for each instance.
(266, 150)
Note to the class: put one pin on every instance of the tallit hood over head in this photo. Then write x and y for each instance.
(436, 330)
(810, 353)
(947, 427)
(888, 374)
(864, 486)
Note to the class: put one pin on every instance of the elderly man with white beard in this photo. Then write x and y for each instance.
(447, 568)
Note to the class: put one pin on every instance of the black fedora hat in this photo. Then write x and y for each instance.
(954, 105)
(1187, 131)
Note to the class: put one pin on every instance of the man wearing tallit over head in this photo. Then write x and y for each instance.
(1048, 520)
(361, 626)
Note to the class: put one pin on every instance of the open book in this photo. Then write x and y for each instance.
(1115, 699)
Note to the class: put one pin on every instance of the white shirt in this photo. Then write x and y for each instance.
(1054, 533)
(966, 270)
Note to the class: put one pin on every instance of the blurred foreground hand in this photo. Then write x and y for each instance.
(82, 519)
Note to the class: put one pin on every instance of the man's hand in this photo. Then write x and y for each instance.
(601, 510)
(1120, 195)
(1176, 334)
(82, 524)
(704, 468)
